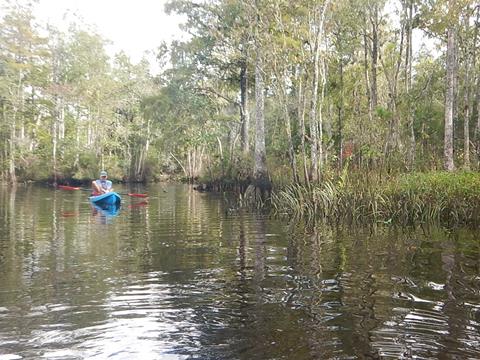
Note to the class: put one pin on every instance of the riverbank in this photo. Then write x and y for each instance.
(448, 198)
(406, 199)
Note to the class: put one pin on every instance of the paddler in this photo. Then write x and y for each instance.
(102, 185)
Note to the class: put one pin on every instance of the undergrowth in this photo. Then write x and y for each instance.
(451, 198)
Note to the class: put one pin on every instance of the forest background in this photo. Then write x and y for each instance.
(261, 92)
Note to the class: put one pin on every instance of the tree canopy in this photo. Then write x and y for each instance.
(261, 90)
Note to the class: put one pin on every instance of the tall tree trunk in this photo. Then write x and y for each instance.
(260, 172)
(199, 165)
(61, 119)
(13, 132)
(11, 160)
(58, 125)
(313, 109)
(301, 105)
(340, 118)
(244, 116)
(58, 131)
(4, 156)
(367, 77)
(456, 79)
(34, 140)
(467, 95)
(449, 100)
(77, 139)
(323, 72)
(54, 147)
(288, 129)
(393, 141)
(466, 114)
(408, 84)
(313, 173)
(474, 62)
(282, 77)
(315, 122)
(189, 164)
(466, 130)
(373, 77)
(477, 127)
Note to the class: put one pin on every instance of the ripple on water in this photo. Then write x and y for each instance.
(424, 329)
(185, 277)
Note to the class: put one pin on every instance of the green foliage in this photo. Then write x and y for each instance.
(383, 113)
(87, 168)
(67, 109)
(448, 198)
(31, 168)
(225, 174)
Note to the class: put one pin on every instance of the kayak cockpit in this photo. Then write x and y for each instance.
(110, 198)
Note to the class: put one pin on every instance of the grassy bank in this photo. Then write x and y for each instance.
(449, 198)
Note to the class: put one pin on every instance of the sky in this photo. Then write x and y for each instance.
(133, 26)
(136, 26)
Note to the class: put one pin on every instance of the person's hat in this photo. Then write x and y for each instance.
(103, 173)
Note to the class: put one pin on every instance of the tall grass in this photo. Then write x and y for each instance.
(451, 198)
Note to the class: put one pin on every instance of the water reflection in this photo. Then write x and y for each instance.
(181, 278)
(105, 212)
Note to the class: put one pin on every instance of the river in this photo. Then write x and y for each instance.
(186, 275)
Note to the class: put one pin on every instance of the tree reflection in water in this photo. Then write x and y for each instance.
(183, 278)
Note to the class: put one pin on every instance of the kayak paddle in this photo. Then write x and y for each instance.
(65, 187)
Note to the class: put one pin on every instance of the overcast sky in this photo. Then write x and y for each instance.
(133, 26)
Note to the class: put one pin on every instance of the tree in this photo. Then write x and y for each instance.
(21, 49)
(449, 99)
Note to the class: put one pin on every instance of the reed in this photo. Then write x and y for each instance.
(449, 198)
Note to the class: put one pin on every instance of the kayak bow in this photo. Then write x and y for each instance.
(110, 198)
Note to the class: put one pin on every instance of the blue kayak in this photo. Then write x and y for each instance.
(110, 198)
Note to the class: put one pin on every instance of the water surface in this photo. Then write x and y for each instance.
(188, 276)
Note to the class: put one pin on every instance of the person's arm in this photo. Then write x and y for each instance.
(96, 189)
